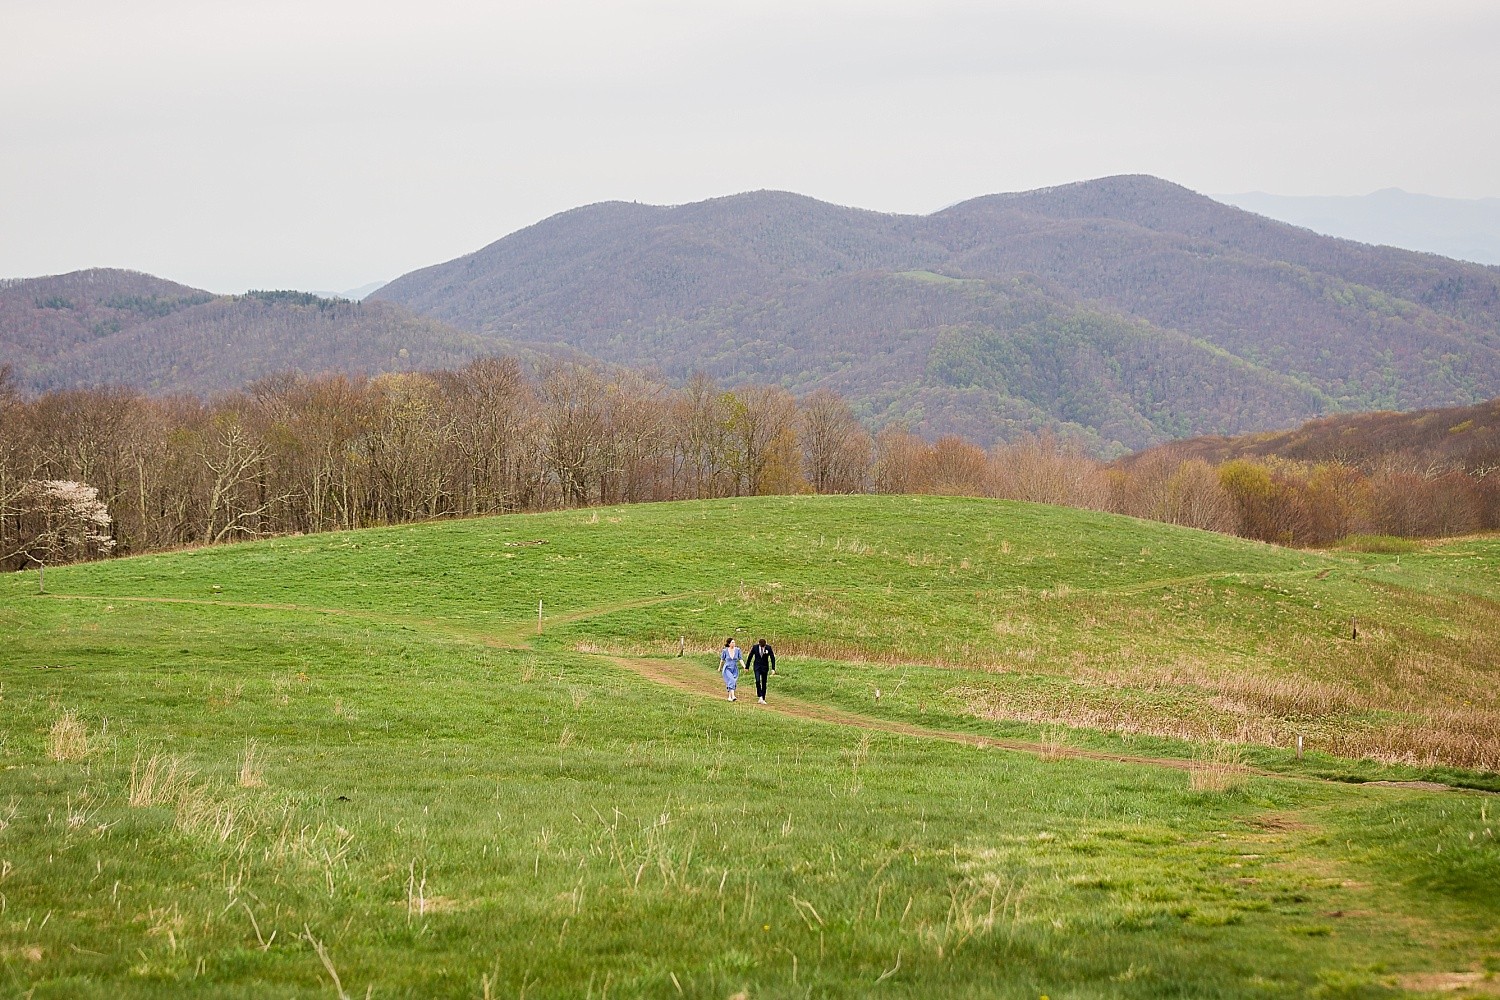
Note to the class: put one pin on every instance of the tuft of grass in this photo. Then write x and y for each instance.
(252, 772)
(156, 781)
(1220, 768)
(68, 739)
(1053, 742)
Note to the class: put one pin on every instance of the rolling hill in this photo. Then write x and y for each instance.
(114, 327)
(991, 764)
(1128, 307)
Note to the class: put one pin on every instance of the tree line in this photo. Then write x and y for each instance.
(293, 454)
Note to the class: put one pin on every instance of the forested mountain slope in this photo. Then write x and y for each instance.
(1127, 307)
(112, 327)
(1459, 437)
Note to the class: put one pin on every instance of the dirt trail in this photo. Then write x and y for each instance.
(511, 636)
(680, 673)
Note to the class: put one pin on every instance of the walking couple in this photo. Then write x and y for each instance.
(762, 662)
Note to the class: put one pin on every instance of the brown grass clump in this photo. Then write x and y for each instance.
(1220, 769)
(199, 809)
(202, 812)
(1053, 743)
(157, 781)
(68, 738)
(252, 773)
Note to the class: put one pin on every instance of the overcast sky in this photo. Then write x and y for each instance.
(320, 144)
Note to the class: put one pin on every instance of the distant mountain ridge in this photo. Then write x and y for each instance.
(1461, 228)
(352, 294)
(115, 327)
(1129, 309)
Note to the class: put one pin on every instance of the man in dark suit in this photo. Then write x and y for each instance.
(763, 662)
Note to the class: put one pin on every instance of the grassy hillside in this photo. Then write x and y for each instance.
(1127, 308)
(244, 769)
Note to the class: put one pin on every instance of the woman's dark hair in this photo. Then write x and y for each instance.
(728, 641)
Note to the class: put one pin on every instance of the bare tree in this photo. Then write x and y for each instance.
(956, 467)
(493, 411)
(234, 459)
(835, 448)
(901, 458)
(701, 434)
(639, 420)
(574, 412)
(17, 467)
(1041, 469)
(760, 419)
(1194, 497)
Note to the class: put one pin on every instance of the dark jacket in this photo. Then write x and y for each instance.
(762, 657)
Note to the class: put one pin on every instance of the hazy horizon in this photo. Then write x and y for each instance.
(332, 145)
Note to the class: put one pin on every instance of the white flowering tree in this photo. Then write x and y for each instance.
(60, 519)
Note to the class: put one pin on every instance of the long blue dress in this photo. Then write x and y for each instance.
(729, 662)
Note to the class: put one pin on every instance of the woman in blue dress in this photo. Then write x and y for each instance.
(729, 663)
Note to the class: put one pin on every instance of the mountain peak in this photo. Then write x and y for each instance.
(1129, 308)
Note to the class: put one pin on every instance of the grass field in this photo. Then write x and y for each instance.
(351, 763)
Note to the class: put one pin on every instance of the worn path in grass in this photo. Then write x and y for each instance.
(682, 675)
(512, 639)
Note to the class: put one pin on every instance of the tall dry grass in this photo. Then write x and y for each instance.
(156, 781)
(1220, 768)
(68, 739)
(252, 769)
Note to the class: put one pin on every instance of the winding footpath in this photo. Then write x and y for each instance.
(684, 674)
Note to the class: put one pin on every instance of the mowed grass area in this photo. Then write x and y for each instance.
(387, 775)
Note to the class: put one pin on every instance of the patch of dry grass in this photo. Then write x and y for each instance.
(68, 739)
(1220, 768)
(156, 781)
(252, 770)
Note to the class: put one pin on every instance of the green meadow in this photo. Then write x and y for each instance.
(1011, 751)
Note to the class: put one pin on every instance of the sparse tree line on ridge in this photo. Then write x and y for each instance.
(291, 454)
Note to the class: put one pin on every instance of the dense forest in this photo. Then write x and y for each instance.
(293, 454)
(1125, 312)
